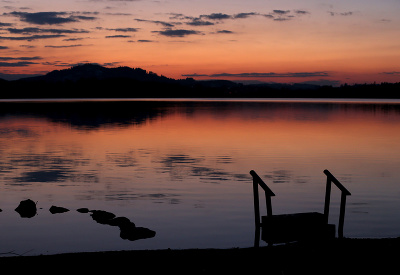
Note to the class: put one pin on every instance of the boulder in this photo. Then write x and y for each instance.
(102, 217)
(26, 209)
(57, 209)
(133, 233)
(120, 222)
(83, 210)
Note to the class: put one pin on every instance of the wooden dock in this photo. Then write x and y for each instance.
(296, 226)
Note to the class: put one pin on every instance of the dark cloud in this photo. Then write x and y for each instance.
(73, 39)
(165, 24)
(281, 12)
(391, 73)
(348, 13)
(263, 75)
(199, 22)
(177, 33)
(206, 19)
(18, 61)
(216, 16)
(118, 36)
(224, 31)
(301, 12)
(124, 29)
(179, 16)
(282, 19)
(16, 64)
(194, 75)
(5, 24)
(300, 74)
(20, 58)
(38, 30)
(32, 37)
(64, 46)
(145, 41)
(50, 18)
(118, 14)
(27, 46)
(245, 14)
(3, 48)
(284, 15)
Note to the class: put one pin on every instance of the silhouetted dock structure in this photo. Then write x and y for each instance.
(296, 226)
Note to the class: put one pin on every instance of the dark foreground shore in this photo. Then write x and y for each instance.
(346, 256)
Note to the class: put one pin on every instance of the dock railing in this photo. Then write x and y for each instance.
(344, 192)
(257, 181)
(268, 194)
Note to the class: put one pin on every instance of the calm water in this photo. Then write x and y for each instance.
(181, 169)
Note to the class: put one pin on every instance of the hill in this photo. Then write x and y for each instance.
(97, 72)
(94, 81)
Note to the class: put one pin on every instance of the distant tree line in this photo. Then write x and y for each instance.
(124, 82)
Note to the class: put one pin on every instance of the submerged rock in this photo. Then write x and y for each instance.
(57, 209)
(128, 230)
(120, 222)
(83, 210)
(133, 233)
(101, 216)
(26, 208)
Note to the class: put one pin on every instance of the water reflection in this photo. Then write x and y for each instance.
(86, 115)
(91, 115)
(187, 163)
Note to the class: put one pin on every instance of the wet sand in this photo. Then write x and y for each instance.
(346, 256)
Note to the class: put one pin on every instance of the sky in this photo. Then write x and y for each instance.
(285, 41)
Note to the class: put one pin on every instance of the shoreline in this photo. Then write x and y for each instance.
(338, 256)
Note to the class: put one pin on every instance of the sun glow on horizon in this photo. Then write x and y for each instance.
(282, 41)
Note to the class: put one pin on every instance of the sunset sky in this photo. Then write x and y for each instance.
(331, 42)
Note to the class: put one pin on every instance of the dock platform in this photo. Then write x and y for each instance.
(296, 226)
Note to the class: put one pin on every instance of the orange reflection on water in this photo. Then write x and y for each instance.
(185, 166)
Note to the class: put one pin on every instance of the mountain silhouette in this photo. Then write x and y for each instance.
(97, 72)
(94, 81)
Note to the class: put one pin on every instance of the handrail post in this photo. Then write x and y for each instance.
(268, 193)
(327, 199)
(341, 217)
(344, 193)
(256, 204)
(268, 204)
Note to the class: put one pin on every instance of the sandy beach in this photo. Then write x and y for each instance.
(345, 256)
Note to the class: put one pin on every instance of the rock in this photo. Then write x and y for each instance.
(133, 233)
(57, 209)
(128, 230)
(102, 217)
(120, 222)
(83, 210)
(26, 208)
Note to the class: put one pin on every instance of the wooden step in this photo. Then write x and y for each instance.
(295, 227)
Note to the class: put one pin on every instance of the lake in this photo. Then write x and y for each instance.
(181, 169)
